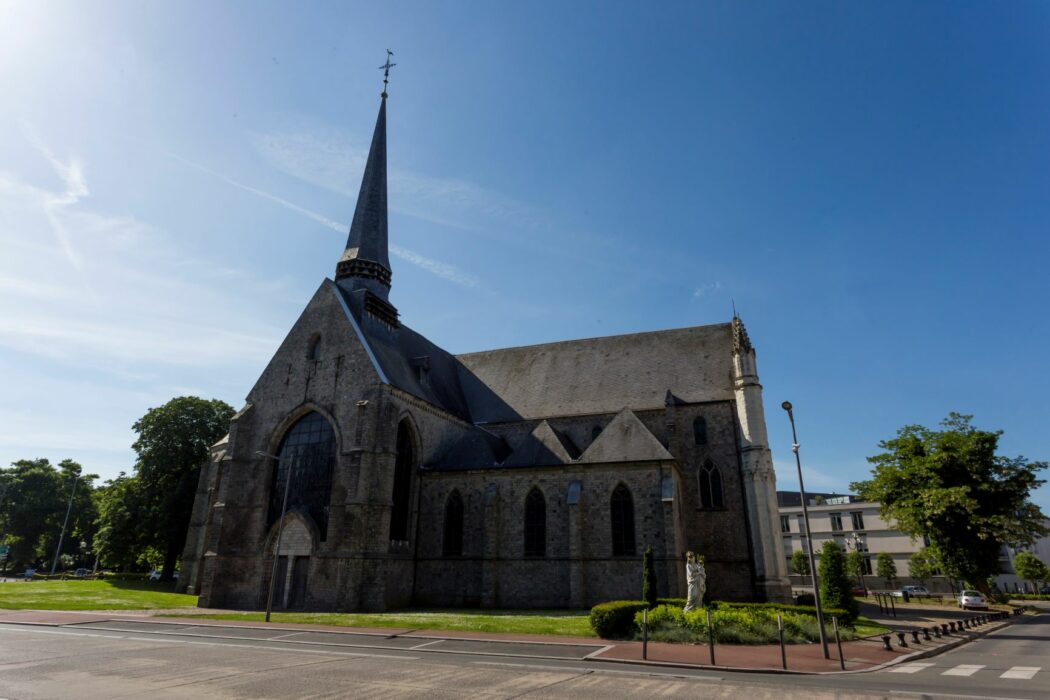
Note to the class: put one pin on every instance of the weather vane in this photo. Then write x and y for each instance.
(386, 69)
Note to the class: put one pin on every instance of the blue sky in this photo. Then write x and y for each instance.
(870, 182)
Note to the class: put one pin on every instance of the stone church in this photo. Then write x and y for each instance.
(528, 477)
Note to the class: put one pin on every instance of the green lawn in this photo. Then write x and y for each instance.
(90, 595)
(555, 622)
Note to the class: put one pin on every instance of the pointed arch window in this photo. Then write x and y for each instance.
(403, 465)
(710, 486)
(699, 431)
(452, 541)
(621, 511)
(308, 450)
(535, 524)
(313, 350)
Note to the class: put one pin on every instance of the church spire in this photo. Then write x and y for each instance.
(365, 262)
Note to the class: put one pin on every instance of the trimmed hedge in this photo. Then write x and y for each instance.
(615, 619)
(844, 616)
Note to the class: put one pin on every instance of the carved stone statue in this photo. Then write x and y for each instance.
(696, 577)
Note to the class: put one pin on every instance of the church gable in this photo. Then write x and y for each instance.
(625, 439)
(541, 447)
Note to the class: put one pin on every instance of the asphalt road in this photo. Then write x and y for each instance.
(160, 662)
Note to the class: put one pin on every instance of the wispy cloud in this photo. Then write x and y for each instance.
(441, 269)
(704, 289)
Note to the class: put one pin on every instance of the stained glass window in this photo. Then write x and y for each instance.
(621, 510)
(452, 542)
(308, 450)
(535, 524)
(403, 465)
(710, 486)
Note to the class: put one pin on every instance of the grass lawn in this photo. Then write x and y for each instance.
(554, 622)
(90, 595)
(864, 627)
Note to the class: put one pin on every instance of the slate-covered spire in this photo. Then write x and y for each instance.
(365, 262)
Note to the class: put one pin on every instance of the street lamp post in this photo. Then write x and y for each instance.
(280, 528)
(809, 538)
(856, 543)
(62, 535)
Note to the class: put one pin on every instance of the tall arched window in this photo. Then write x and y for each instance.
(308, 450)
(313, 351)
(452, 541)
(535, 524)
(710, 486)
(403, 465)
(699, 431)
(621, 511)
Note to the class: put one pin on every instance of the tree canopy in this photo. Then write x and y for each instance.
(173, 442)
(834, 583)
(800, 562)
(952, 487)
(922, 565)
(1031, 568)
(886, 568)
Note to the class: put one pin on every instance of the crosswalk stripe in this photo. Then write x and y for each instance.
(1022, 672)
(909, 668)
(963, 670)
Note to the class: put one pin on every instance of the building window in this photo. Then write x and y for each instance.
(535, 524)
(621, 510)
(308, 450)
(710, 486)
(452, 541)
(699, 431)
(313, 351)
(801, 524)
(836, 522)
(785, 523)
(866, 565)
(858, 520)
(403, 464)
(789, 548)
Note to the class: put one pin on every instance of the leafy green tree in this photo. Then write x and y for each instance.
(1031, 568)
(834, 583)
(173, 442)
(922, 566)
(951, 486)
(649, 577)
(886, 568)
(855, 565)
(800, 563)
(121, 511)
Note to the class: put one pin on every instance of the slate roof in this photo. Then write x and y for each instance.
(368, 230)
(599, 375)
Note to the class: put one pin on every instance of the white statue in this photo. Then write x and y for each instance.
(696, 577)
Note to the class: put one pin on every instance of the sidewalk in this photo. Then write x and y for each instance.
(859, 655)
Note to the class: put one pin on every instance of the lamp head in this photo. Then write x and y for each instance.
(786, 405)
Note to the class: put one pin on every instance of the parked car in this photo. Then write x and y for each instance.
(972, 599)
(155, 575)
(30, 573)
(858, 591)
(915, 590)
(1045, 590)
(80, 573)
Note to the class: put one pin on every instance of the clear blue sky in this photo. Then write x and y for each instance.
(870, 182)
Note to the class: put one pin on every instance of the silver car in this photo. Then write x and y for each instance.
(972, 599)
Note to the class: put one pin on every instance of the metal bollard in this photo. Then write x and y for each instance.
(893, 606)
(925, 634)
(886, 642)
(944, 628)
(711, 637)
(900, 640)
(951, 626)
(783, 649)
(937, 631)
(645, 634)
(915, 636)
(838, 642)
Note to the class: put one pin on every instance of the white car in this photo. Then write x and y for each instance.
(155, 575)
(972, 599)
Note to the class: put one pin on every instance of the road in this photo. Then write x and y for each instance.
(143, 660)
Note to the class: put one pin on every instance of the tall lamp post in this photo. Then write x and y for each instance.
(809, 538)
(62, 535)
(856, 543)
(280, 529)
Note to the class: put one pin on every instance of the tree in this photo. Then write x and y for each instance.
(800, 562)
(886, 568)
(834, 583)
(950, 486)
(1031, 568)
(648, 577)
(173, 443)
(922, 565)
(855, 565)
(120, 506)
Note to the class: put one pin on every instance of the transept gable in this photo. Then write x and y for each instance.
(625, 439)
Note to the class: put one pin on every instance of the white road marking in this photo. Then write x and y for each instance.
(909, 668)
(963, 670)
(420, 646)
(1022, 672)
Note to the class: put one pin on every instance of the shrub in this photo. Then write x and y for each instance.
(733, 624)
(615, 619)
(673, 602)
(834, 583)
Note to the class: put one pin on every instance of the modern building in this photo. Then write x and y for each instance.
(522, 477)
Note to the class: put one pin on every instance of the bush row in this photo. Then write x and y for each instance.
(615, 619)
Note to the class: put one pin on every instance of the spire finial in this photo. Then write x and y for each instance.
(386, 70)
(733, 302)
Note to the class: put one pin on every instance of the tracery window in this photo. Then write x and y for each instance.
(699, 431)
(535, 524)
(403, 465)
(710, 486)
(621, 511)
(313, 351)
(452, 541)
(308, 450)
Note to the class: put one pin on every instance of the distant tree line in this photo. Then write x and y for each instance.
(133, 522)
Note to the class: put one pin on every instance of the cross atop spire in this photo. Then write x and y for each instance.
(386, 70)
